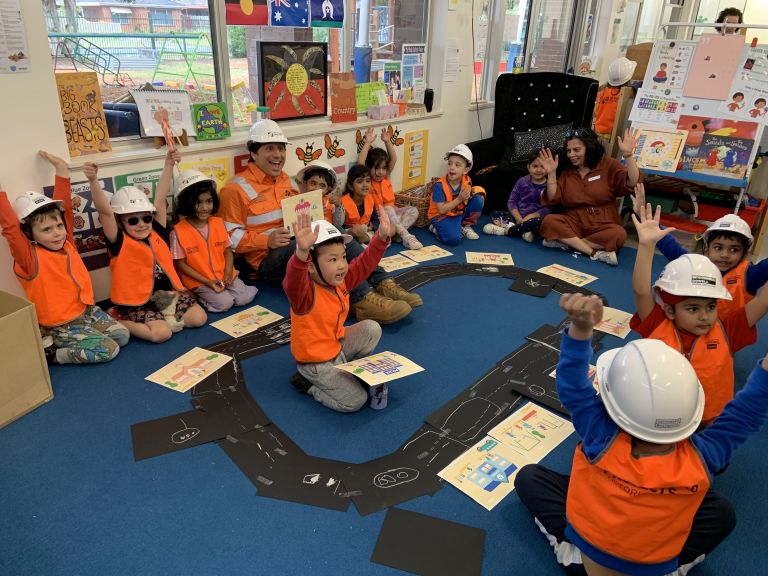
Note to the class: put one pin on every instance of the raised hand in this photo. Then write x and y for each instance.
(172, 157)
(584, 312)
(370, 135)
(548, 160)
(649, 231)
(61, 166)
(384, 135)
(628, 143)
(305, 235)
(384, 224)
(91, 171)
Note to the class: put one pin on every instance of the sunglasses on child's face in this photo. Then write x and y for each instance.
(133, 220)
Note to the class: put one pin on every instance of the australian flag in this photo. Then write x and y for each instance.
(327, 13)
(289, 13)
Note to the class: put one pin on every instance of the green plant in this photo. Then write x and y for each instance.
(236, 41)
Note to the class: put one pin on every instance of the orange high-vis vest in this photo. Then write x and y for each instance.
(133, 270)
(383, 193)
(458, 210)
(60, 287)
(353, 214)
(735, 283)
(605, 111)
(204, 256)
(316, 335)
(711, 358)
(637, 509)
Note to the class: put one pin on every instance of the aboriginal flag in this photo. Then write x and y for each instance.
(247, 12)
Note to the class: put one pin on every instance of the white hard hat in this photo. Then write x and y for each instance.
(651, 391)
(730, 223)
(30, 202)
(315, 165)
(190, 177)
(461, 150)
(620, 71)
(266, 131)
(694, 276)
(327, 232)
(130, 199)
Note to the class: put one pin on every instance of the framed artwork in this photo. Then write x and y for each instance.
(293, 79)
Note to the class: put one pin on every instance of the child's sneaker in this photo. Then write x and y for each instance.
(432, 229)
(411, 242)
(393, 290)
(49, 348)
(605, 256)
(375, 306)
(494, 229)
(469, 233)
(528, 236)
(555, 244)
(300, 384)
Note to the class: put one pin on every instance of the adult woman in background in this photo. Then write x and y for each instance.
(587, 188)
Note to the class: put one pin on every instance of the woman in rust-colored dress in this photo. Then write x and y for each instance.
(587, 188)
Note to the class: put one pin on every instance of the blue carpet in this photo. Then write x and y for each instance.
(75, 502)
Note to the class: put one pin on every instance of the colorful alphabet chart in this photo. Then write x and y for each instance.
(656, 108)
(189, 369)
(380, 368)
(246, 321)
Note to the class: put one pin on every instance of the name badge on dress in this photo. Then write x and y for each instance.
(593, 178)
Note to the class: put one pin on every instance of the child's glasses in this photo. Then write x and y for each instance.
(133, 220)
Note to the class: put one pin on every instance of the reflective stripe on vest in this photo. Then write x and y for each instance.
(638, 509)
(272, 216)
(60, 287)
(247, 188)
(711, 358)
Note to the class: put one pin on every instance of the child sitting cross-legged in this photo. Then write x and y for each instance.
(201, 247)
(317, 284)
(638, 499)
(455, 204)
(524, 204)
(149, 296)
(54, 278)
(358, 203)
(681, 309)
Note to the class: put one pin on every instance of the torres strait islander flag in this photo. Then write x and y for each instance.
(327, 13)
(289, 13)
(247, 12)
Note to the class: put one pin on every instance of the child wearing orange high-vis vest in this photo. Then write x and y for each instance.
(201, 246)
(638, 499)
(381, 163)
(455, 204)
(149, 296)
(54, 277)
(317, 284)
(726, 242)
(358, 203)
(682, 310)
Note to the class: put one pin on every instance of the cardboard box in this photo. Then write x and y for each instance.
(25, 383)
(640, 53)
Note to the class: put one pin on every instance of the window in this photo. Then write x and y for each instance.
(129, 46)
(390, 25)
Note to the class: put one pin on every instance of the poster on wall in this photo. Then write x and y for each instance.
(216, 168)
(415, 158)
(392, 76)
(14, 53)
(83, 113)
(668, 66)
(654, 107)
(145, 181)
(89, 237)
(414, 65)
(713, 66)
(343, 97)
(748, 94)
(292, 79)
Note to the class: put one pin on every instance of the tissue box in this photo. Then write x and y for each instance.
(385, 112)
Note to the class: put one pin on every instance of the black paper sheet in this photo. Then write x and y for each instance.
(433, 448)
(532, 283)
(412, 279)
(429, 546)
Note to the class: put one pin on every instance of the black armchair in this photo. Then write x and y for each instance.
(526, 102)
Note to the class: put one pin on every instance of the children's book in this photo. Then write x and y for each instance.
(723, 156)
(292, 206)
(343, 97)
(83, 112)
(211, 121)
(658, 148)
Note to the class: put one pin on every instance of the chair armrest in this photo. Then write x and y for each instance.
(486, 152)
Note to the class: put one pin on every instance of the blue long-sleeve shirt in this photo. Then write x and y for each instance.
(755, 276)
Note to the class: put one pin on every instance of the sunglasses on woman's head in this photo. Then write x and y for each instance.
(133, 220)
(573, 134)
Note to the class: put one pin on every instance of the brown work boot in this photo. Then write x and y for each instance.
(383, 310)
(393, 290)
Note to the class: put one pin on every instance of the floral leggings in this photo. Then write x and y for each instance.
(91, 337)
